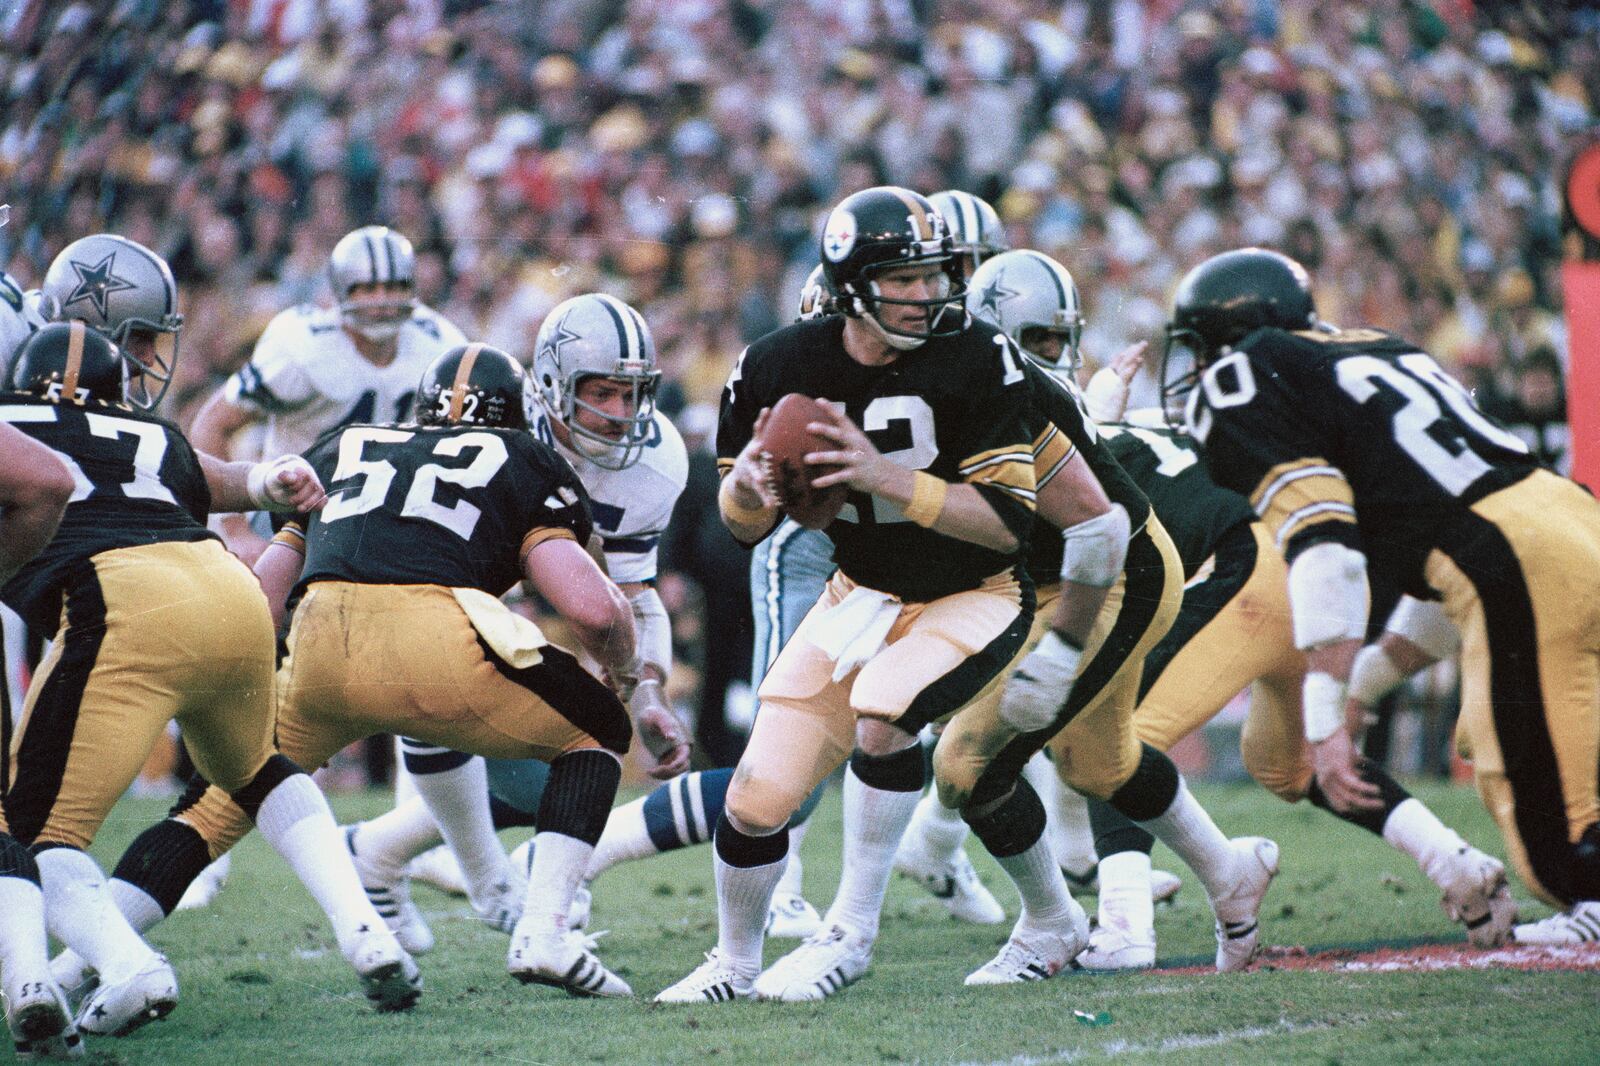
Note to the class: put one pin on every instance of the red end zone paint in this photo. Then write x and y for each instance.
(1581, 285)
(1459, 956)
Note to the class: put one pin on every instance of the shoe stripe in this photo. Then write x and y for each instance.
(1241, 931)
(1039, 973)
(1475, 923)
(1588, 926)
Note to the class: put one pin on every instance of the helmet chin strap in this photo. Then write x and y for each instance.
(897, 341)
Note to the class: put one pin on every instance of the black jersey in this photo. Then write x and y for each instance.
(1168, 466)
(1062, 429)
(138, 482)
(1320, 428)
(957, 407)
(457, 506)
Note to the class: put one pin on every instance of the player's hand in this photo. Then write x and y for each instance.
(752, 474)
(286, 483)
(1107, 392)
(661, 730)
(1338, 772)
(1039, 686)
(1127, 362)
(860, 465)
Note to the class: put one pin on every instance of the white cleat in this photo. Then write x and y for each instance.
(566, 962)
(1238, 911)
(713, 981)
(1035, 954)
(502, 908)
(791, 918)
(1164, 884)
(1580, 925)
(438, 867)
(390, 895)
(74, 977)
(1111, 948)
(121, 1008)
(825, 964)
(203, 889)
(389, 976)
(41, 1024)
(1475, 894)
(954, 883)
(582, 908)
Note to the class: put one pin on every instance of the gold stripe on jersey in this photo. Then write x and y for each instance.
(69, 377)
(1013, 478)
(291, 536)
(1294, 495)
(1020, 452)
(458, 387)
(724, 466)
(538, 536)
(1052, 451)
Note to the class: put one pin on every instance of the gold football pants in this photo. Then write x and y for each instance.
(406, 659)
(1096, 751)
(1521, 579)
(148, 634)
(938, 656)
(1234, 632)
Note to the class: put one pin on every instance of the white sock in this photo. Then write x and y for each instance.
(874, 822)
(404, 788)
(1417, 831)
(81, 914)
(397, 836)
(793, 879)
(1187, 829)
(136, 905)
(936, 829)
(458, 799)
(1067, 828)
(296, 821)
(624, 839)
(744, 894)
(24, 955)
(1045, 899)
(558, 865)
(1125, 892)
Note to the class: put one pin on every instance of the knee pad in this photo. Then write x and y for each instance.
(274, 772)
(1151, 789)
(741, 849)
(1014, 826)
(577, 798)
(900, 771)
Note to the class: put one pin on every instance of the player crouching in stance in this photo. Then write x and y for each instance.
(396, 628)
(1358, 450)
(153, 620)
(928, 603)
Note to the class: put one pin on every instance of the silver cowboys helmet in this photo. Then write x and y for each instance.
(373, 255)
(815, 302)
(124, 290)
(974, 225)
(595, 335)
(1021, 291)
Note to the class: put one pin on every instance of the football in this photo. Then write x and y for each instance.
(787, 441)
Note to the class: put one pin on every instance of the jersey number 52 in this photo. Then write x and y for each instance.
(377, 476)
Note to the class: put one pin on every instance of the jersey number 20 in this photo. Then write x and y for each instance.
(377, 475)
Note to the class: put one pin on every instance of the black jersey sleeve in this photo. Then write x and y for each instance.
(999, 434)
(559, 506)
(737, 418)
(1257, 416)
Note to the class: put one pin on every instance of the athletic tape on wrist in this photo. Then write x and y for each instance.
(1322, 699)
(927, 499)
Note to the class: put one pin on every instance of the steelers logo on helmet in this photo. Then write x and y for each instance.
(473, 385)
(870, 239)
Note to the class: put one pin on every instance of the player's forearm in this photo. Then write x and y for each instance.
(215, 425)
(747, 518)
(229, 482)
(958, 511)
(603, 625)
(1076, 611)
(278, 568)
(652, 630)
(32, 514)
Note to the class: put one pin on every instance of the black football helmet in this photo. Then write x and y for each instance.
(1222, 300)
(474, 385)
(883, 227)
(67, 362)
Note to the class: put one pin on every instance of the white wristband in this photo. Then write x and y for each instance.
(255, 485)
(1373, 675)
(1322, 701)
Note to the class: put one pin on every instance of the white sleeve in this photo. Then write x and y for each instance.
(275, 378)
(663, 472)
(1424, 623)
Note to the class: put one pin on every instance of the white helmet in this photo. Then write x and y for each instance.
(373, 255)
(595, 335)
(118, 286)
(1023, 290)
(974, 225)
(815, 301)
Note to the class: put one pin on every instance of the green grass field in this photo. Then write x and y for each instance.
(263, 983)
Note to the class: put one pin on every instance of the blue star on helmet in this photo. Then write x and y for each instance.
(96, 283)
(993, 295)
(562, 336)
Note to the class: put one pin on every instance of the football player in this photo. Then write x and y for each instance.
(427, 523)
(1358, 451)
(35, 486)
(931, 437)
(595, 375)
(1234, 633)
(314, 368)
(153, 620)
(1116, 588)
(974, 225)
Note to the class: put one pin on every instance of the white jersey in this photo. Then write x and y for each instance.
(307, 377)
(631, 508)
(19, 317)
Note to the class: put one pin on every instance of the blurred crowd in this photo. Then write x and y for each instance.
(681, 153)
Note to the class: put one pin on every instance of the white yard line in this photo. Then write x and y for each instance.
(1111, 1048)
